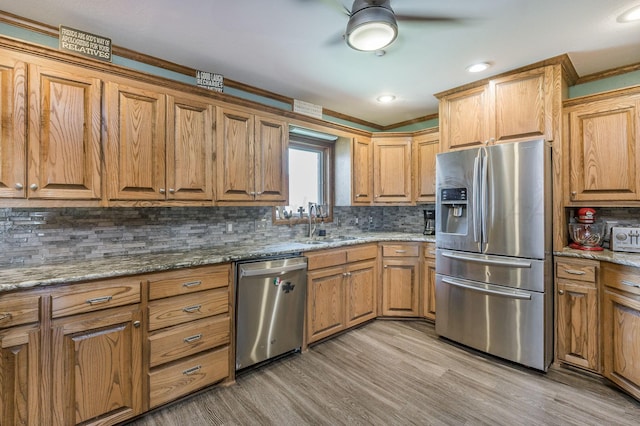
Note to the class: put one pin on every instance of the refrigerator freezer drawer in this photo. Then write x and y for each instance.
(509, 323)
(525, 274)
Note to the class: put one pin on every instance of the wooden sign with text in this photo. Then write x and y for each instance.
(85, 44)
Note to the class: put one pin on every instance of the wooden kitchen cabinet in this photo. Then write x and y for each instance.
(20, 377)
(603, 151)
(189, 331)
(506, 109)
(392, 170)
(428, 282)
(621, 326)
(159, 144)
(400, 280)
(96, 352)
(577, 328)
(252, 158)
(341, 289)
(425, 148)
(362, 171)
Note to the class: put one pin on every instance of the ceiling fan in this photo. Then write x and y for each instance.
(373, 25)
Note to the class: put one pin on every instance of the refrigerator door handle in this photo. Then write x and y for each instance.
(476, 198)
(484, 181)
(488, 289)
(496, 262)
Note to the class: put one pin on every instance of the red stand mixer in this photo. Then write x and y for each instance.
(586, 233)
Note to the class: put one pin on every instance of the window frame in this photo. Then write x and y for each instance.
(327, 150)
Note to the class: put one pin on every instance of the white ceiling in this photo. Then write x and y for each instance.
(292, 47)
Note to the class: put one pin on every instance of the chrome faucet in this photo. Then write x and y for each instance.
(312, 225)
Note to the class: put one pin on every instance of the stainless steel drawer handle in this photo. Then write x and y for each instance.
(401, 251)
(432, 252)
(192, 370)
(630, 284)
(191, 284)
(191, 309)
(193, 338)
(574, 272)
(98, 300)
(4, 316)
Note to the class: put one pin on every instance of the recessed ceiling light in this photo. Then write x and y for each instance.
(479, 67)
(385, 99)
(630, 15)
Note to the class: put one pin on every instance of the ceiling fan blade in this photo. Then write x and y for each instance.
(417, 18)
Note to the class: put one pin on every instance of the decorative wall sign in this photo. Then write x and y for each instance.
(85, 44)
(209, 80)
(306, 108)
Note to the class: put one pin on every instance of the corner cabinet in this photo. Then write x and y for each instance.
(520, 106)
(603, 151)
(392, 170)
(400, 280)
(252, 158)
(362, 171)
(577, 315)
(425, 148)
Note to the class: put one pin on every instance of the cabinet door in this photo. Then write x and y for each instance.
(603, 152)
(392, 170)
(361, 292)
(97, 366)
(189, 148)
(428, 291)
(13, 127)
(64, 133)
(325, 303)
(521, 106)
(425, 148)
(464, 119)
(235, 155)
(400, 287)
(135, 143)
(621, 343)
(362, 166)
(19, 376)
(271, 162)
(578, 324)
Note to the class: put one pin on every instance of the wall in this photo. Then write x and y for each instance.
(40, 236)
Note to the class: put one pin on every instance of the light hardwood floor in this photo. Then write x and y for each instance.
(400, 373)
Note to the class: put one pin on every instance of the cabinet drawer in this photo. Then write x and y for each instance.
(94, 296)
(625, 278)
(175, 380)
(363, 252)
(326, 258)
(400, 250)
(180, 309)
(188, 339)
(16, 309)
(576, 270)
(187, 281)
(430, 251)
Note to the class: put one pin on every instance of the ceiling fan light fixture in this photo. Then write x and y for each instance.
(371, 28)
(385, 99)
(479, 67)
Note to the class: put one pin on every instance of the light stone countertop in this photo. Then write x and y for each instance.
(621, 258)
(109, 267)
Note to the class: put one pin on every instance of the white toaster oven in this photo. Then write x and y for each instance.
(625, 238)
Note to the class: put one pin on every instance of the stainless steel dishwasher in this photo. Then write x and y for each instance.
(270, 300)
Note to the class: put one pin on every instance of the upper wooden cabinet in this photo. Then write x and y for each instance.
(252, 157)
(603, 152)
(425, 148)
(159, 146)
(392, 170)
(362, 171)
(506, 109)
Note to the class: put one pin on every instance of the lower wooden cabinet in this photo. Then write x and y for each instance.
(578, 333)
(621, 326)
(428, 282)
(400, 280)
(341, 289)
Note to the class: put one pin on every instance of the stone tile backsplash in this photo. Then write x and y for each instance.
(37, 236)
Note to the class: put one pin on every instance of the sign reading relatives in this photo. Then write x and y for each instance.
(85, 44)
(209, 80)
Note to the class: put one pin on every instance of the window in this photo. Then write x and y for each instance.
(309, 179)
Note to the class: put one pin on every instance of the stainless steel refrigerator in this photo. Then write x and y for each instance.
(493, 259)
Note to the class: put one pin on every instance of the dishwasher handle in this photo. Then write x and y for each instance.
(270, 272)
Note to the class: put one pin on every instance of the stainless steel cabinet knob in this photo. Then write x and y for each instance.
(33, 186)
(162, 190)
(560, 292)
(19, 186)
(172, 191)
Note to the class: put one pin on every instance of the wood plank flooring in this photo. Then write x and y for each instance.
(400, 373)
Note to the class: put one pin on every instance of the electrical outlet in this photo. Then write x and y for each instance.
(357, 221)
(229, 227)
(261, 225)
(370, 220)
